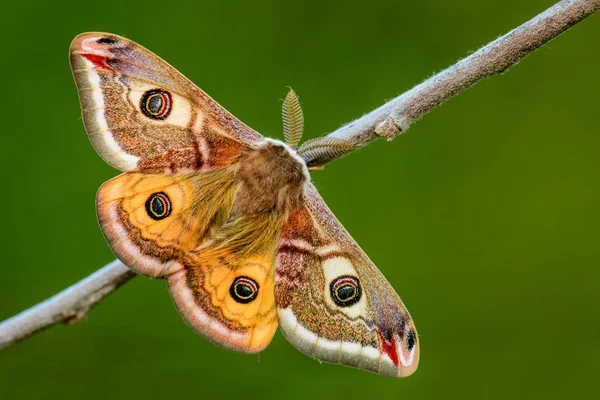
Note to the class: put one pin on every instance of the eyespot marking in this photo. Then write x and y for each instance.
(345, 290)
(243, 290)
(158, 206)
(156, 104)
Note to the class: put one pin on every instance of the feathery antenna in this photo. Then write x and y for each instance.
(293, 119)
(316, 152)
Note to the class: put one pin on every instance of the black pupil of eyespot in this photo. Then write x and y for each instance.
(158, 206)
(346, 292)
(243, 290)
(155, 104)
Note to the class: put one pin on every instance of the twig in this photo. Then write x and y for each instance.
(387, 121)
(395, 116)
(68, 306)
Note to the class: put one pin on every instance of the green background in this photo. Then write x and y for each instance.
(484, 216)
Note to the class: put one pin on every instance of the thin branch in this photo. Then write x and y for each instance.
(396, 116)
(68, 306)
(387, 121)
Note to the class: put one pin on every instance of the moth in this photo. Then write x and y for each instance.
(229, 218)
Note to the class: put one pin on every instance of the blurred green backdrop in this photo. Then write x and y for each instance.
(484, 216)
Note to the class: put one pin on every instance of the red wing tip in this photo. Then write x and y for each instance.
(402, 350)
(96, 47)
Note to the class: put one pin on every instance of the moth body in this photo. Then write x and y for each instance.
(271, 179)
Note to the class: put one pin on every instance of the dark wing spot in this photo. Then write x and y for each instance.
(107, 40)
(243, 290)
(410, 339)
(158, 206)
(345, 290)
(156, 104)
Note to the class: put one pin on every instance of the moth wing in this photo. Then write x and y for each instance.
(225, 290)
(180, 149)
(151, 220)
(175, 227)
(333, 303)
(141, 113)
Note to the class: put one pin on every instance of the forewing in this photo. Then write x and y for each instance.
(333, 303)
(141, 113)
